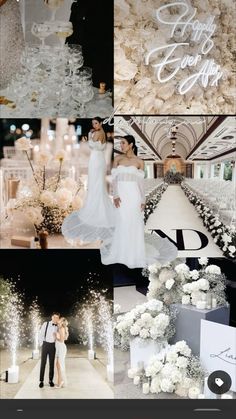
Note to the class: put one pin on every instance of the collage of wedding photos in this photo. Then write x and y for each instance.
(117, 200)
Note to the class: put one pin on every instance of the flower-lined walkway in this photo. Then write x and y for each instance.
(175, 212)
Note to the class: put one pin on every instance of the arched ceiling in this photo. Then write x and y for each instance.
(198, 137)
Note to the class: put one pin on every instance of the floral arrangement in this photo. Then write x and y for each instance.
(48, 199)
(153, 199)
(171, 177)
(138, 91)
(207, 285)
(173, 370)
(149, 320)
(224, 236)
(166, 281)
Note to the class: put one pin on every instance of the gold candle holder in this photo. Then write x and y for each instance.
(12, 188)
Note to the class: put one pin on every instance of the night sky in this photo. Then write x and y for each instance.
(59, 278)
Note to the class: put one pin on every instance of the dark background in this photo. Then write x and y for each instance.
(59, 278)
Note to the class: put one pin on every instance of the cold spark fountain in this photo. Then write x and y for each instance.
(35, 319)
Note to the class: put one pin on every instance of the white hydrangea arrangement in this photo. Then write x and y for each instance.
(207, 284)
(151, 320)
(166, 281)
(46, 200)
(173, 370)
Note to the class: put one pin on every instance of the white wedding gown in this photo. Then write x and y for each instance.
(128, 244)
(61, 351)
(95, 221)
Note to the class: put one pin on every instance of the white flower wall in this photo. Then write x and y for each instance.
(137, 31)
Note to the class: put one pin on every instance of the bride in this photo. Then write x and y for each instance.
(95, 221)
(129, 245)
(61, 350)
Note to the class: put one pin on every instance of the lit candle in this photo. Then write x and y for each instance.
(214, 303)
(146, 388)
(201, 305)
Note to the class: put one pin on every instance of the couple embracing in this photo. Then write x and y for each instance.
(52, 337)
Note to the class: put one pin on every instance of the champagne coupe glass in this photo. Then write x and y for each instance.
(82, 93)
(41, 31)
(53, 5)
(63, 30)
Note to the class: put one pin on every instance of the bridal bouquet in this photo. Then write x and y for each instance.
(166, 281)
(173, 370)
(149, 320)
(46, 200)
(207, 284)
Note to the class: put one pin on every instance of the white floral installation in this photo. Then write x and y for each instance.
(206, 284)
(173, 370)
(49, 199)
(151, 320)
(137, 91)
(166, 281)
(153, 199)
(224, 236)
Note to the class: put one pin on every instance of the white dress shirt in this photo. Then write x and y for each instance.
(50, 338)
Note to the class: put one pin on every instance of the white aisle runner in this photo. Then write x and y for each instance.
(84, 382)
(175, 212)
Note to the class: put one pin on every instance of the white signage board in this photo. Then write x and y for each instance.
(218, 349)
(189, 46)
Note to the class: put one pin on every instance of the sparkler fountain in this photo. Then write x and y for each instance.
(35, 324)
(106, 333)
(13, 315)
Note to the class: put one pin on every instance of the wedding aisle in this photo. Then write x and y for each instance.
(175, 212)
(84, 382)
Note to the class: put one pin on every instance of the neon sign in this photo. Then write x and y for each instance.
(208, 72)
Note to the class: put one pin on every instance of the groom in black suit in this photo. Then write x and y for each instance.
(47, 339)
(93, 25)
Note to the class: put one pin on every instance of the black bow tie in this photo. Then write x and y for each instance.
(53, 324)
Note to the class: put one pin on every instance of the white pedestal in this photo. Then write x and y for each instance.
(188, 323)
(91, 354)
(141, 350)
(13, 374)
(110, 373)
(35, 354)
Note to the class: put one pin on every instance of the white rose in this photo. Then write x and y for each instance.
(182, 269)
(23, 144)
(154, 305)
(135, 330)
(226, 238)
(213, 269)
(194, 274)
(170, 283)
(43, 158)
(64, 197)
(48, 198)
(182, 347)
(232, 249)
(154, 268)
(167, 386)
(144, 334)
(204, 284)
(182, 362)
(203, 261)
